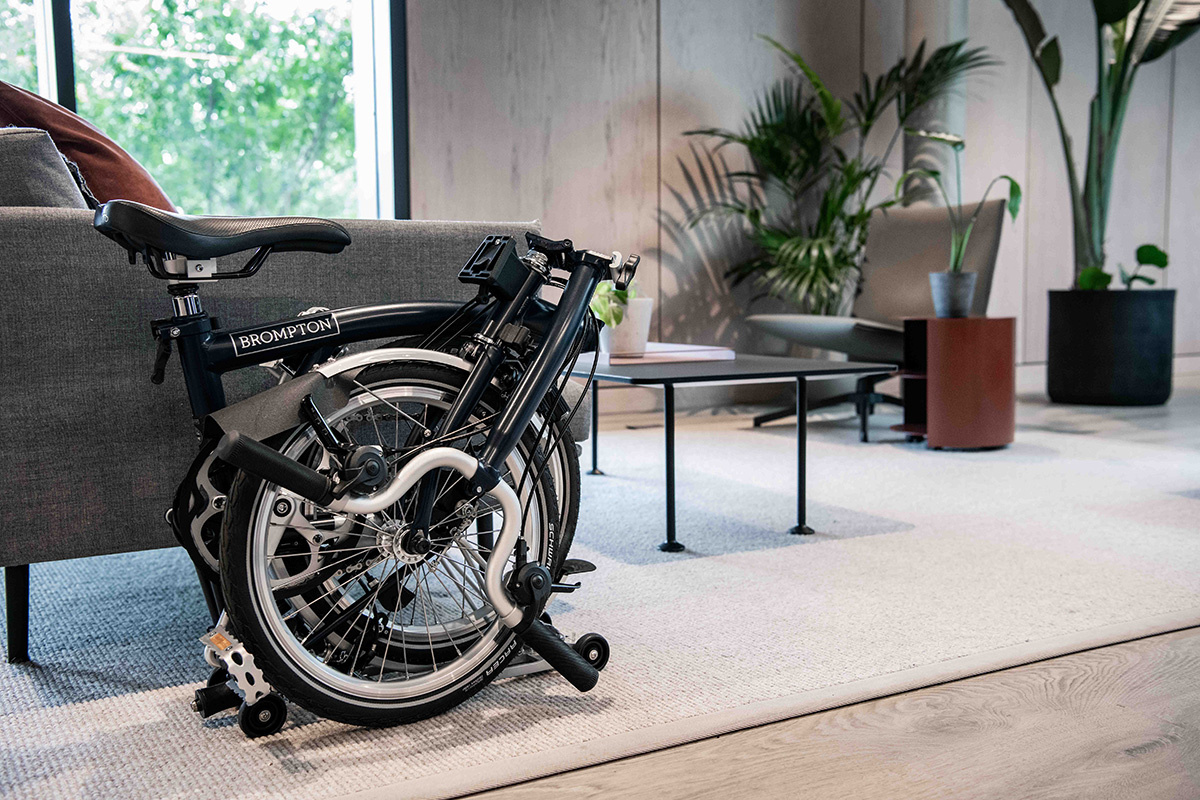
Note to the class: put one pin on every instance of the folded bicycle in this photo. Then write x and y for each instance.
(378, 535)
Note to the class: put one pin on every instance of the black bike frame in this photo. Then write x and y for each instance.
(206, 353)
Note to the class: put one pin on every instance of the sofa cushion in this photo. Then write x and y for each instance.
(110, 172)
(32, 171)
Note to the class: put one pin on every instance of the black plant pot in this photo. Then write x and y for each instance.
(1111, 348)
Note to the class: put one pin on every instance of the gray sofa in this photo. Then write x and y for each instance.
(92, 451)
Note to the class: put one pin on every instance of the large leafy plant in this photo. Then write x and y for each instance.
(806, 199)
(1129, 33)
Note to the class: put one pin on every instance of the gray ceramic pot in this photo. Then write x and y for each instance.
(952, 293)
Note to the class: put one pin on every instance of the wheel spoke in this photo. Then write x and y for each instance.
(370, 606)
(295, 611)
(425, 616)
(449, 636)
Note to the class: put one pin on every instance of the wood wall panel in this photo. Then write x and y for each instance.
(523, 109)
(997, 129)
(1138, 206)
(551, 109)
(1183, 243)
(883, 44)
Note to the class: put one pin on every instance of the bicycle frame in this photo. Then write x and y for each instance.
(206, 353)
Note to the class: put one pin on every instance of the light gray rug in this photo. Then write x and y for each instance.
(927, 567)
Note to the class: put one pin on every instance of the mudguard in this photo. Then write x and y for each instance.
(277, 409)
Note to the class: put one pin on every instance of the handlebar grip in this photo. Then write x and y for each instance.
(558, 654)
(251, 455)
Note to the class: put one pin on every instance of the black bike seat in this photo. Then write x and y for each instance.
(137, 227)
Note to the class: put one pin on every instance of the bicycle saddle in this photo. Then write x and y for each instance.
(138, 227)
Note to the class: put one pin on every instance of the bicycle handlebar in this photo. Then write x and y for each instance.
(261, 461)
(558, 654)
(561, 254)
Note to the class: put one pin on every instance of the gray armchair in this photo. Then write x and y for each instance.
(903, 247)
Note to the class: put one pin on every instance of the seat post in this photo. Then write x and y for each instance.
(191, 329)
(185, 299)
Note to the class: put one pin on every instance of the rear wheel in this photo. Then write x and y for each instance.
(340, 615)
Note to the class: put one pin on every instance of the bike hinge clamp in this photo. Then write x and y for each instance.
(484, 480)
(223, 650)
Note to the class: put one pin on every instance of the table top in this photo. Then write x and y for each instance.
(746, 367)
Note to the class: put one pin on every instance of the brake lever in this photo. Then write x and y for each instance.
(161, 356)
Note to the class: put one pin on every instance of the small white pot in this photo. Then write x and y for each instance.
(630, 337)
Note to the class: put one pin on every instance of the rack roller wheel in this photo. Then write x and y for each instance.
(594, 649)
(264, 717)
(217, 677)
(214, 699)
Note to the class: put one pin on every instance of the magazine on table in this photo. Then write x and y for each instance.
(662, 353)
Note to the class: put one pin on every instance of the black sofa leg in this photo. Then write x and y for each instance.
(16, 611)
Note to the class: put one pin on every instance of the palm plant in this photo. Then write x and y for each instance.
(1129, 33)
(805, 201)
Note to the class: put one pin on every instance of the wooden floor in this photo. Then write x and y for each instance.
(1117, 722)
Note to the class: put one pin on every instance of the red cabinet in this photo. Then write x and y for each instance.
(959, 381)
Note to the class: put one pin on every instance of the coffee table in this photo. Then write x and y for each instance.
(742, 369)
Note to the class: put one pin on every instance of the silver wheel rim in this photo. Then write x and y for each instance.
(445, 576)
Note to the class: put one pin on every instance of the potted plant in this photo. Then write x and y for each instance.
(1107, 348)
(626, 319)
(807, 198)
(1113, 347)
(954, 289)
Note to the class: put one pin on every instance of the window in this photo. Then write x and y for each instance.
(242, 107)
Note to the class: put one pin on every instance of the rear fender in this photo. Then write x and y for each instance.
(277, 409)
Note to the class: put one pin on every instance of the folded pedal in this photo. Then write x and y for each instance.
(577, 566)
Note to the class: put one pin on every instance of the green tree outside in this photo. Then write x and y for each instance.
(235, 107)
(18, 47)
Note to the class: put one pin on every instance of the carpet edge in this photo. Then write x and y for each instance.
(671, 734)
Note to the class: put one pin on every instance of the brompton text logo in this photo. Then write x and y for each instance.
(279, 334)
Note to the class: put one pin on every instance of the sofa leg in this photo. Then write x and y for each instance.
(16, 611)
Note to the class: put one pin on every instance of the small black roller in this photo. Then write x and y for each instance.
(264, 717)
(594, 649)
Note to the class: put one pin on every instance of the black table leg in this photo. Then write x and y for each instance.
(595, 470)
(16, 611)
(801, 456)
(670, 545)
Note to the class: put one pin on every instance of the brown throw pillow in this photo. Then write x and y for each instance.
(110, 172)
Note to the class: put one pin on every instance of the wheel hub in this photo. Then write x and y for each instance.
(392, 544)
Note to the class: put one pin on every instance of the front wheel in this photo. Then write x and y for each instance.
(341, 616)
